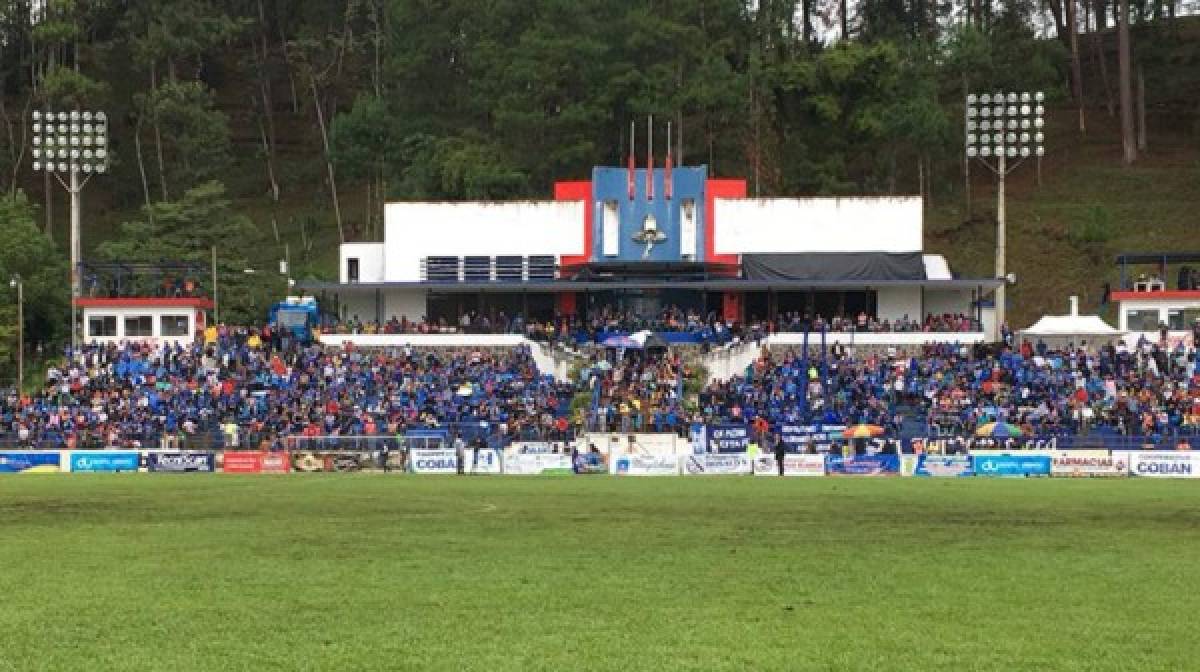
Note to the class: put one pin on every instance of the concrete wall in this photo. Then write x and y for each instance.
(370, 261)
(418, 230)
(895, 303)
(765, 225)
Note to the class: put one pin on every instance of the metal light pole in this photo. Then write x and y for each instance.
(15, 282)
(72, 143)
(1004, 126)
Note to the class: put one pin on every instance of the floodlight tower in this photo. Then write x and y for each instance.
(1004, 126)
(71, 143)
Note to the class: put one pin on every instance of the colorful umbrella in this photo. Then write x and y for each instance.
(999, 430)
(862, 432)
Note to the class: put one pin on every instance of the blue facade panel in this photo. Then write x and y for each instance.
(611, 184)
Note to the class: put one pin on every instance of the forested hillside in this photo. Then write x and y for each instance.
(256, 125)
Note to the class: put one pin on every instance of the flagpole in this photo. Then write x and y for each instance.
(667, 169)
(650, 158)
(632, 164)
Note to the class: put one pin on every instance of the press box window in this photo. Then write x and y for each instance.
(1142, 320)
(173, 325)
(352, 270)
(102, 325)
(140, 326)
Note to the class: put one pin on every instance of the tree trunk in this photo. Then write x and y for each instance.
(287, 67)
(137, 147)
(1100, 11)
(337, 210)
(1057, 12)
(844, 16)
(1076, 69)
(1125, 77)
(1102, 64)
(162, 168)
(1141, 108)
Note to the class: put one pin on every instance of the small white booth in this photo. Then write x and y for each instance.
(143, 319)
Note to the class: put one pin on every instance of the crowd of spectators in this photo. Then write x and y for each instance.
(137, 395)
(641, 392)
(1144, 390)
(249, 387)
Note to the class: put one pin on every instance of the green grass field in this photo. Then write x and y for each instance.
(375, 572)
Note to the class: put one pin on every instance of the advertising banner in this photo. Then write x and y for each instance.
(533, 464)
(180, 463)
(434, 461)
(1089, 464)
(255, 462)
(30, 462)
(645, 465)
(797, 437)
(104, 461)
(328, 461)
(483, 461)
(1011, 465)
(863, 465)
(1162, 464)
(944, 466)
(717, 464)
(728, 438)
(793, 465)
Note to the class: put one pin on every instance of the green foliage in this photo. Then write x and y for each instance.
(65, 88)
(195, 132)
(44, 272)
(186, 230)
(1096, 227)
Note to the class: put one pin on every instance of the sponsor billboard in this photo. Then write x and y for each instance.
(863, 465)
(1162, 464)
(728, 438)
(793, 465)
(797, 437)
(103, 461)
(1089, 463)
(255, 462)
(645, 465)
(532, 464)
(483, 461)
(944, 466)
(328, 461)
(717, 464)
(30, 462)
(433, 461)
(183, 462)
(1011, 465)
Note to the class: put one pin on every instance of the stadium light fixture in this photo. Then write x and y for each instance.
(67, 144)
(1004, 122)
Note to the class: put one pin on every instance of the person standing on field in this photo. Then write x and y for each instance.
(460, 451)
(780, 451)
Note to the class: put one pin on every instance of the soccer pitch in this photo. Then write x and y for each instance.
(389, 572)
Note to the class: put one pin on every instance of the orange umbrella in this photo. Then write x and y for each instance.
(862, 432)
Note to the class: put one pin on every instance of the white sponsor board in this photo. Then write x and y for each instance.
(636, 444)
(531, 464)
(434, 461)
(717, 464)
(644, 465)
(1088, 463)
(793, 465)
(483, 461)
(1162, 464)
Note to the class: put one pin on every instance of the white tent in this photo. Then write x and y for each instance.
(1074, 326)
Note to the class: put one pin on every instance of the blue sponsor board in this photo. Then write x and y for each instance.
(181, 462)
(1011, 465)
(728, 438)
(106, 461)
(863, 465)
(13, 462)
(946, 466)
